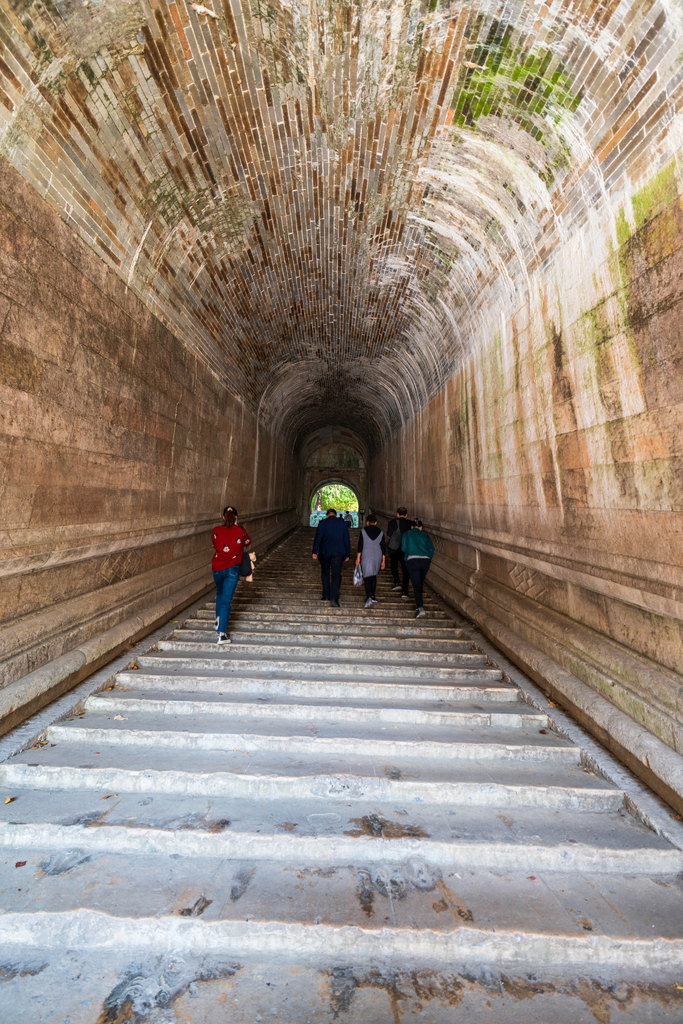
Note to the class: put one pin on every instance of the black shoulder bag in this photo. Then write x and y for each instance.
(245, 564)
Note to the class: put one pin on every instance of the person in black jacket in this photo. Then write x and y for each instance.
(401, 524)
(332, 547)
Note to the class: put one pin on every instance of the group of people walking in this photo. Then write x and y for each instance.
(410, 555)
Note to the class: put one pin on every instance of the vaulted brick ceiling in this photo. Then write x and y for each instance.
(330, 203)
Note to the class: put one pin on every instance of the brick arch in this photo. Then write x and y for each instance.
(333, 455)
(317, 479)
(333, 480)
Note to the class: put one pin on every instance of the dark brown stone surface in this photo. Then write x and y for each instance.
(119, 449)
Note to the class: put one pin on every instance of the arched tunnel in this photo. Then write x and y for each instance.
(430, 248)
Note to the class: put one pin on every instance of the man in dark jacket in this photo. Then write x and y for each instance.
(401, 524)
(332, 547)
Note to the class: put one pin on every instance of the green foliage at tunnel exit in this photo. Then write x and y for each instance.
(336, 496)
(503, 79)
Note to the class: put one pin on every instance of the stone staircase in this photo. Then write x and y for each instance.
(345, 815)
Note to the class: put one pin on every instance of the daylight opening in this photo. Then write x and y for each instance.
(336, 496)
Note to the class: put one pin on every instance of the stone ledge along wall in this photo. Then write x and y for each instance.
(550, 474)
(118, 449)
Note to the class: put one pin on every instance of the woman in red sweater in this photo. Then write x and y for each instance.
(229, 542)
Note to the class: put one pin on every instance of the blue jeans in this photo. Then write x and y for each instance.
(226, 581)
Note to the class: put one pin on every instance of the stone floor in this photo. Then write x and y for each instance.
(345, 815)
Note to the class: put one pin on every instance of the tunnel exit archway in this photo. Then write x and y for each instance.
(316, 516)
(333, 455)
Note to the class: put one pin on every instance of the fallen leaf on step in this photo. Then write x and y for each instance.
(10, 799)
(20, 864)
(108, 795)
(531, 878)
(120, 718)
(676, 817)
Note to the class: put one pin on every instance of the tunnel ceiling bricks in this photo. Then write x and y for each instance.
(307, 194)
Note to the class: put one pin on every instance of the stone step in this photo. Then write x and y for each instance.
(315, 635)
(323, 611)
(273, 944)
(511, 716)
(335, 619)
(278, 595)
(308, 832)
(198, 986)
(310, 583)
(158, 673)
(230, 826)
(317, 738)
(412, 911)
(233, 662)
(273, 776)
(346, 651)
(313, 597)
(310, 590)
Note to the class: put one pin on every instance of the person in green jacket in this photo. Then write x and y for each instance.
(417, 549)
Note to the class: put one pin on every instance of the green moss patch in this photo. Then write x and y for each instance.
(502, 78)
(654, 197)
(623, 229)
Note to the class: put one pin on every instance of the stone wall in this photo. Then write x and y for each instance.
(118, 449)
(550, 472)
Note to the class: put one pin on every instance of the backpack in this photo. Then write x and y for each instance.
(396, 537)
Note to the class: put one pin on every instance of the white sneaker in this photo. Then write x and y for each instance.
(374, 600)
(368, 603)
(420, 613)
(223, 639)
(407, 596)
(397, 587)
